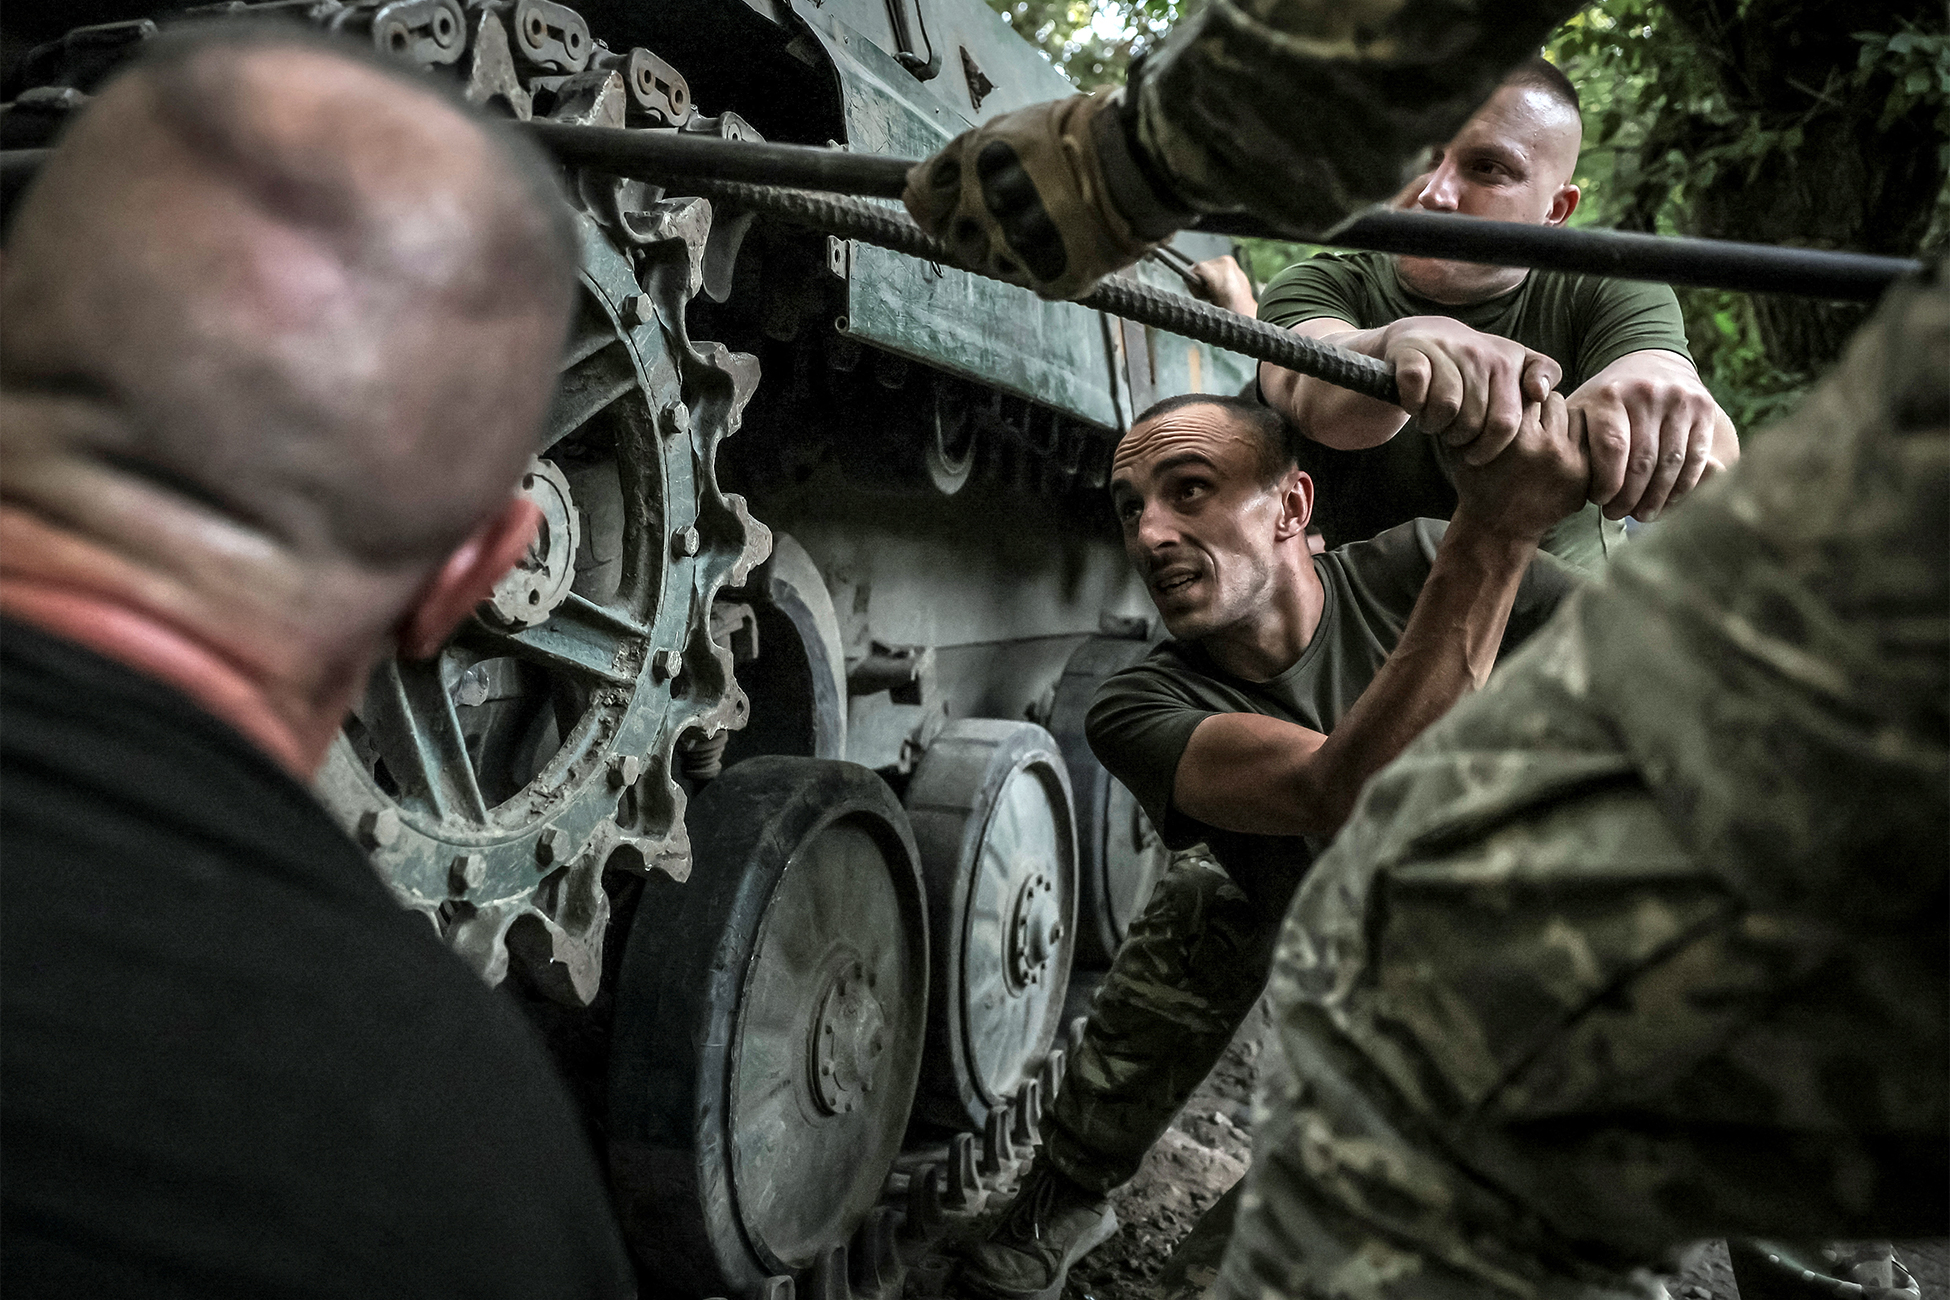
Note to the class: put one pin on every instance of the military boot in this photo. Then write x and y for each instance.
(1051, 1225)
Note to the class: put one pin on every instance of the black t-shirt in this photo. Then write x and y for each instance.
(1143, 717)
(230, 1064)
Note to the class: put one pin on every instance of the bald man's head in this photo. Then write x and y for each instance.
(305, 289)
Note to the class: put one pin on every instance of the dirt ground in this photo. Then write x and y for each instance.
(1206, 1150)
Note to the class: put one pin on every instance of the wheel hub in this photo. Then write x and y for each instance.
(528, 593)
(848, 1034)
(1035, 929)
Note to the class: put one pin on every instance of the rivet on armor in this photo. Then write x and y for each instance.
(468, 872)
(379, 829)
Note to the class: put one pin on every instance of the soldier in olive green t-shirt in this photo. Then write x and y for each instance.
(1290, 679)
(1473, 344)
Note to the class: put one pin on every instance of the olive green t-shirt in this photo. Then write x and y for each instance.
(1143, 717)
(1582, 322)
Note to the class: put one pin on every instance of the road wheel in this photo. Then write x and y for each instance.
(1120, 855)
(990, 806)
(769, 1026)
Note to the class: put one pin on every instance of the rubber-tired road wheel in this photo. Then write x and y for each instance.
(1120, 856)
(769, 1026)
(990, 806)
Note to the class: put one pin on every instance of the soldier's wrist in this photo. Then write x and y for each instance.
(1495, 536)
(1137, 187)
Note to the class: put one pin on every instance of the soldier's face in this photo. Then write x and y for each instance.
(1200, 523)
(1513, 161)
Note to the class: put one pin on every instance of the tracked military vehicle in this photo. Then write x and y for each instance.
(762, 778)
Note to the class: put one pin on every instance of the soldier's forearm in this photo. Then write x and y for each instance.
(1446, 651)
(1305, 113)
(1327, 414)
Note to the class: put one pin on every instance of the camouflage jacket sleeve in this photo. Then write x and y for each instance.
(1303, 111)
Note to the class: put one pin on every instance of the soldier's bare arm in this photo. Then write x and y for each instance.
(1654, 430)
(1260, 775)
(1465, 386)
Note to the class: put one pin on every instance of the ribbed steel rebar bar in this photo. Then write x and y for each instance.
(1119, 295)
(1703, 263)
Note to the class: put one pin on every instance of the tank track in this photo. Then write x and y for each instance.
(936, 1196)
(633, 440)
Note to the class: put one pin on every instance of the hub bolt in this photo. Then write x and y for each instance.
(685, 541)
(624, 770)
(468, 872)
(379, 829)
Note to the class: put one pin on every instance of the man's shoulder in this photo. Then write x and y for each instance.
(1399, 555)
(1584, 296)
(1342, 284)
(1171, 671)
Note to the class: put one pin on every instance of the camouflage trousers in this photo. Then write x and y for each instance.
(1181, 984)
(1646, 942)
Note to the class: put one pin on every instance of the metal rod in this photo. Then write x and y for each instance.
(674, 153)
(1703, 263)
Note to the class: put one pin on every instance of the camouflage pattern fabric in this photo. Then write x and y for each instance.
(1194, 1264)
(1303, 111)
(1181, 984)
(1646, 942)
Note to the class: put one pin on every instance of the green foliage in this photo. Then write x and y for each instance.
(1918, 66)
(1676, 124)
(1727, 347)
(1092, 43)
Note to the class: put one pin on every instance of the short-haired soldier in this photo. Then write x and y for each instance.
(1289, 679)
(278, 329)
(1472, 343)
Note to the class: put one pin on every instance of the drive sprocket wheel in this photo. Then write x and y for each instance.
(495, 783)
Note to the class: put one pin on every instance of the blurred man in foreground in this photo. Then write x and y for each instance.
(280, 326)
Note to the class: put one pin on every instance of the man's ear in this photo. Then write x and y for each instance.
(1296, 504)
(1563, 204)
(467, 577)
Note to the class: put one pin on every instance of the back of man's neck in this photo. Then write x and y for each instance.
(69, 588)
(158, 651)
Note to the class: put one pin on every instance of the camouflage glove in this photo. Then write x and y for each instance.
(1048, 196)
